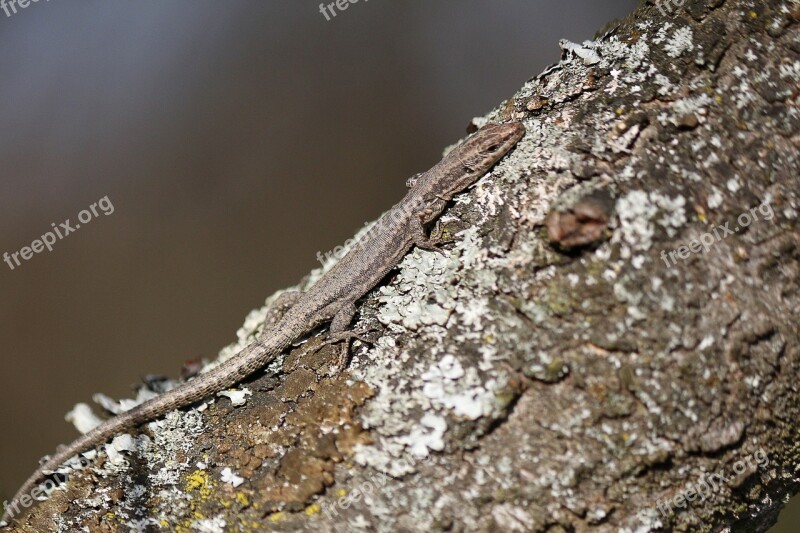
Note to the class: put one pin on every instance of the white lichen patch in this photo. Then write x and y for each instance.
(125, 443)
(586, 52)
(692, 105)
(399, 394)
(637, 212)
(488, 197)
(228, 476)
(126, 404)
(466, 395)
(680, 42)
(428, 436)
(715, 199)
(83, 418)
(405, 303)
(210, 525)
(238, 397)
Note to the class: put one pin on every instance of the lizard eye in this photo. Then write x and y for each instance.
(410, 182)
(493, 148)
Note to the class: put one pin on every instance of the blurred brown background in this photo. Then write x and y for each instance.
(235, 140)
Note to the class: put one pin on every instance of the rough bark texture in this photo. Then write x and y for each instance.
(556, 369)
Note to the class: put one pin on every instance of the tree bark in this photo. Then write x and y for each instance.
(609, 343)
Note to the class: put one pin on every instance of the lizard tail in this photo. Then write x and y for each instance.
(29, 490)
(227, 374)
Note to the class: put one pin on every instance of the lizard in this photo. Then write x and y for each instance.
(331, 299)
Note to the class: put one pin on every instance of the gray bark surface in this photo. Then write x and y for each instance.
(556, 369)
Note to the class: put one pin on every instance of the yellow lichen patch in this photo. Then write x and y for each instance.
(341, 493)
(185, 526)
(242, 499)
(753, 15)
(312, 509)
(276, 517)
(198, 481)
(112, 518)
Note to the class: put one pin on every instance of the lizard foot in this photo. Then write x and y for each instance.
(343, 356)
(430, 245)
(344, 351)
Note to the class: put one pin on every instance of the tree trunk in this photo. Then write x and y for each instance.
(609, 343)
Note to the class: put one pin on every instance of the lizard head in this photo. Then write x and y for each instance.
(478, 153)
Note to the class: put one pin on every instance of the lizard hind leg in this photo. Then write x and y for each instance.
(339, 333)
(342, 319)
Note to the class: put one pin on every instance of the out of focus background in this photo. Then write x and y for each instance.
(235, 141)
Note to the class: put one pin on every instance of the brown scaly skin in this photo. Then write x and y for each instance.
(332, 298)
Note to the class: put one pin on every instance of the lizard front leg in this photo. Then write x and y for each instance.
(419, 237)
